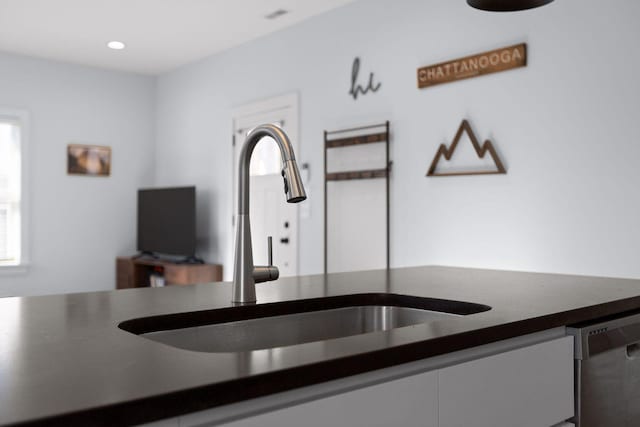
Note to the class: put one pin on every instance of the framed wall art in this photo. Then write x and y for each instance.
(90, 160)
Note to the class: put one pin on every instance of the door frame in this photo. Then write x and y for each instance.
(264, 106)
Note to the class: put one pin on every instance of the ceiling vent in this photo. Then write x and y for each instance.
(277, 14)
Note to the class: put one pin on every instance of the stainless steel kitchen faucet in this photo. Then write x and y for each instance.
(245, 274)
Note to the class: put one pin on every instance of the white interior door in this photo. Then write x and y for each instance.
(270, 214)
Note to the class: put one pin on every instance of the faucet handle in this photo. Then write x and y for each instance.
(268, 272)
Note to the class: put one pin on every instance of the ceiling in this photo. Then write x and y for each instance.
(160, 35)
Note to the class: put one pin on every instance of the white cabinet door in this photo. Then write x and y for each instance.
(527, 387)
(407, 402)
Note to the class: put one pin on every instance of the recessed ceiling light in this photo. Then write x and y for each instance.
(116, 45)
(276, 14)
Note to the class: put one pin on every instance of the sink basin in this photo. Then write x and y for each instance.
(258, 327)
(290, 329)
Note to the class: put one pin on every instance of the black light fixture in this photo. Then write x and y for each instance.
(506, 5)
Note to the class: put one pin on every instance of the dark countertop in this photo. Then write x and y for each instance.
(64, 361)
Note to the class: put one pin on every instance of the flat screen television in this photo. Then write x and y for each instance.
(167, 221)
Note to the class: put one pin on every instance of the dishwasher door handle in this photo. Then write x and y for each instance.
(633, 351)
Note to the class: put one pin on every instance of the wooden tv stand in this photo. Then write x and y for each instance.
(133, 272)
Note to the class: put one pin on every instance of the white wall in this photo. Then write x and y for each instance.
(566, 127)
(79, 224)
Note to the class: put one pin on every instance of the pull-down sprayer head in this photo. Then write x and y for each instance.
(293, 187)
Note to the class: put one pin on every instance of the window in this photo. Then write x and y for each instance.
(12, 147)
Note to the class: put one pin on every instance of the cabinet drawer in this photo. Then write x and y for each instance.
(527, 387)
(407, 402)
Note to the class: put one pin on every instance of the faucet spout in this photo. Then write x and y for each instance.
(245, 274)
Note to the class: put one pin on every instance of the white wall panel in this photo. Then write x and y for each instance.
(78, 224)
(565, 127)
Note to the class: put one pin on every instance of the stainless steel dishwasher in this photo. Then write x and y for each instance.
(607, 372)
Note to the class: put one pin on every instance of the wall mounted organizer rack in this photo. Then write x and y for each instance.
(356, 198)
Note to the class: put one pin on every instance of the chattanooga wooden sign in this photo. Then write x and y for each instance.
(473, 66)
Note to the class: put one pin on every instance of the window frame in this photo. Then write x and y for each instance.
(22, 118)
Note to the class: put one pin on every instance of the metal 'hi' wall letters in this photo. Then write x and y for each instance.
(356, 88)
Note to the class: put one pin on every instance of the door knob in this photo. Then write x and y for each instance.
(284, 240)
